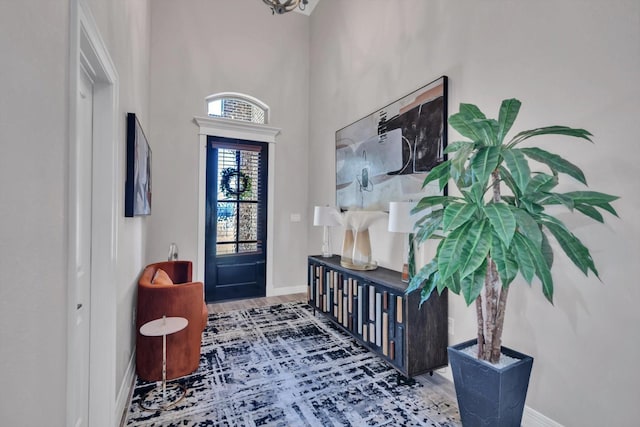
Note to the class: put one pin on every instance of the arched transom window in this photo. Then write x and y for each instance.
(237, 106)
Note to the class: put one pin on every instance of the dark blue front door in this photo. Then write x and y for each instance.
(236, 219)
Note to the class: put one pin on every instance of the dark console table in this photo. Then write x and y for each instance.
(372, 306)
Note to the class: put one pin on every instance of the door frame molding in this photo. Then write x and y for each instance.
(88, 50)
(234, 129)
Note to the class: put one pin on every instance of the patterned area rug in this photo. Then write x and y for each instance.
(283, 366)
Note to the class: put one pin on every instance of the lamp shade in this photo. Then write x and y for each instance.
(400, 218)
(325, 215)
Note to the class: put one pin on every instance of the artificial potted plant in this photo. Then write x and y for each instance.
(498, 227)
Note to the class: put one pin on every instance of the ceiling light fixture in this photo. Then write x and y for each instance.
(283, 6)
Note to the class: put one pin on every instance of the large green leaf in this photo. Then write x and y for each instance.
(466, 127)
(471, 285)
(429, 201)
(439, 173)
(573, 247)
(426, 216)
(527, 226)
(505, 262)
(452, 283)
(471, 111)
(489, 130)
(428, 225)
(417, 281)
(555, 163)
(541, 266)
(590, 211)
(508, 112)
(550, 130)
(506, 177)
(547, 250)
(520, 252)
(458, 145)
(502, 221)
(530, 206)
(477, 243)
(607, 207)
(456, 214)
(593, 198)
(459, 161)
(559, 198)
(476, 193)
(519, 167)
(473, 124)
(539, 185)
(449, 250)
(484, 163)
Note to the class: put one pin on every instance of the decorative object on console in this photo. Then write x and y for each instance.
(385, 155)
(401, 220)
(356, 246)
(283, 6)
(326, 216)
(486, 239)
(137, 188)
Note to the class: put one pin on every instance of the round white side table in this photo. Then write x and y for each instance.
(166, 396)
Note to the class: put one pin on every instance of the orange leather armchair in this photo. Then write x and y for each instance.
(183, 298)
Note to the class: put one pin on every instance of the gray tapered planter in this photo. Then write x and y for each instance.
(489, 396)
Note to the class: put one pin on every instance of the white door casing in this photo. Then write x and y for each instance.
(235, 129)
(92, 221)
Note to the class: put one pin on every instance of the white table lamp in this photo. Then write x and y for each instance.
(402, 221)
(326, 216)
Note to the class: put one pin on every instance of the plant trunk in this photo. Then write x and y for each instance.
(490, 310)
(497, 342)
(480, 326)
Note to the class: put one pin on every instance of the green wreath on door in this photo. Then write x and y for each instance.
(231, 176)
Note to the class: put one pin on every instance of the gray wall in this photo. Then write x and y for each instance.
(33, 130)
(34, 47)
(199, 48)
(574, 63)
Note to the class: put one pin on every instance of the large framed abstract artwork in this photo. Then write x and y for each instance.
(386, 155)
(137, 193)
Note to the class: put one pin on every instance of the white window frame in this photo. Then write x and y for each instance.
(239, 96)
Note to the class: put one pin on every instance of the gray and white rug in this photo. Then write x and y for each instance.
(283, 366)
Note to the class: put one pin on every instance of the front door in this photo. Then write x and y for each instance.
(236, 219)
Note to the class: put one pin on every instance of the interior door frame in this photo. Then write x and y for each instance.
(88, 50)
(234, 129)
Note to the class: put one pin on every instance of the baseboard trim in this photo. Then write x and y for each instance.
(276, 292)
(533, 418)
(122, 401)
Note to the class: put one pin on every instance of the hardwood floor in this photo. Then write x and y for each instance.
(244, 304)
